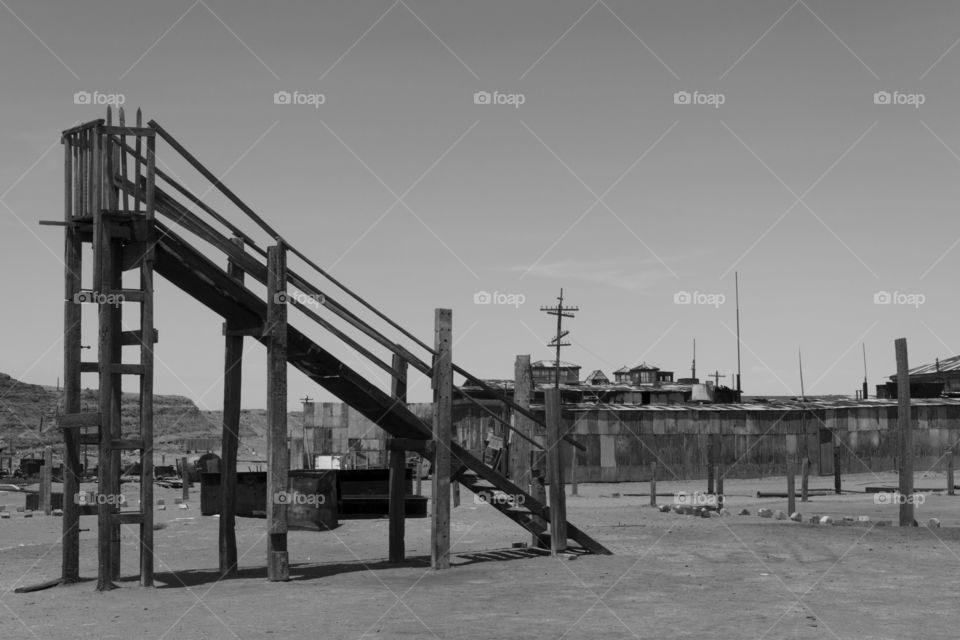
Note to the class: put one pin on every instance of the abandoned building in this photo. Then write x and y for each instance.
(932, 380)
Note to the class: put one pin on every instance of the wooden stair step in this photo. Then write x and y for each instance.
(127, 444)
(127, 517)
(136, 337)
(80, 420)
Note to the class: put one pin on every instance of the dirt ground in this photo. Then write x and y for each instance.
(671, 576)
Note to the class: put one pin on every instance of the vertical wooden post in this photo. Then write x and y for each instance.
(278, 456)
(951, 488)
(836, 465)
(558, 505)
(398, 471)
(46, 481)
(710, 465)
(442, 419)
(718, 466)
(525, 473)
(185, 476)
(805, 480)
(146, 361)
(653, 483)
(573, 469)
(791, 447)
(232, 395)
(71, 377)
(905, 434)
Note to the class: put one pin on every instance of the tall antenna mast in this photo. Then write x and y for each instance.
(561, 312)
(803, 395)
(736, 289)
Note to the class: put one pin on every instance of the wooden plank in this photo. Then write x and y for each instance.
(127, 444)
(791, 458)
(558, 507)
(951, 488)
(127, 517)
(805, 481)
(184, 480)
(522, 471)
(230, 440)
(905, 434)
(442, 425)
(46, 481)
(398, 468)
(130, 338)
(653, 483)
(278, 457)
(79, 420)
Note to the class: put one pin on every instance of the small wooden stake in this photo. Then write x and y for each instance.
(46, 480)
(791, 447)
(951, 489)
(185, 477)
(653, 483)
(804, 482)
(905, 439)
(558, 505)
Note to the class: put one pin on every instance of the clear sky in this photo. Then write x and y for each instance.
(602, 181)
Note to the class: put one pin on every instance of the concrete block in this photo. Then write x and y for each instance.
(933, 523)
(183, 505)
(826, 520)
(161, 507)
(28, 514)
(5, 515)
(863, 518)
(796, 517)
(765, 513)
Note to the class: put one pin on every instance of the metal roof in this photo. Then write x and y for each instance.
(946, 365)
(780, 405)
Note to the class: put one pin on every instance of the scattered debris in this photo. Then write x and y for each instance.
(796, 517)
(765, 513)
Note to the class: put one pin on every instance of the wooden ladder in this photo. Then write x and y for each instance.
(122, 237)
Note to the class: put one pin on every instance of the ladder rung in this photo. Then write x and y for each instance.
(136, 337)
(127, 517)
(125, 369)
(78, 420)
(129, 444)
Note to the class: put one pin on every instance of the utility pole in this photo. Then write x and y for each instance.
(803, 395)
(716, 377)
(693, 367)
(736, 287)
(865, 393)
(561, 312)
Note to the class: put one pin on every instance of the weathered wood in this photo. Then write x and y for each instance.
(836, 465)
(398, 468)
(951, 488)
(146, 378)
(653, 483)
(46, 481)
(558, 506)
(442, 425)
(805, 481)
(904, 433)
(72, 270)
(791, 455)
(278, 457)
(230, 437)
(185, 479)
(711, 461)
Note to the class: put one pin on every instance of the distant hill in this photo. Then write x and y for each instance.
(28, 415)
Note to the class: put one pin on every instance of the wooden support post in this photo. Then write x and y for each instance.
(526, 473)
(718, 466)
(710, 465)
(905, 434)
(573, 469)
(46, 481)
(398, 469)
(805, 481)
(836, 465)
(951, 488)
(278, 456)
(791, 450)
(147, 362)
(442, 419)
(71, 377)
(558, 506)
(232, 397)
(185, 477)
(653, 483)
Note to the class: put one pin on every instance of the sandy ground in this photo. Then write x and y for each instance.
(672, 576)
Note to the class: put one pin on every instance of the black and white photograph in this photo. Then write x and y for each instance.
(490, 319)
